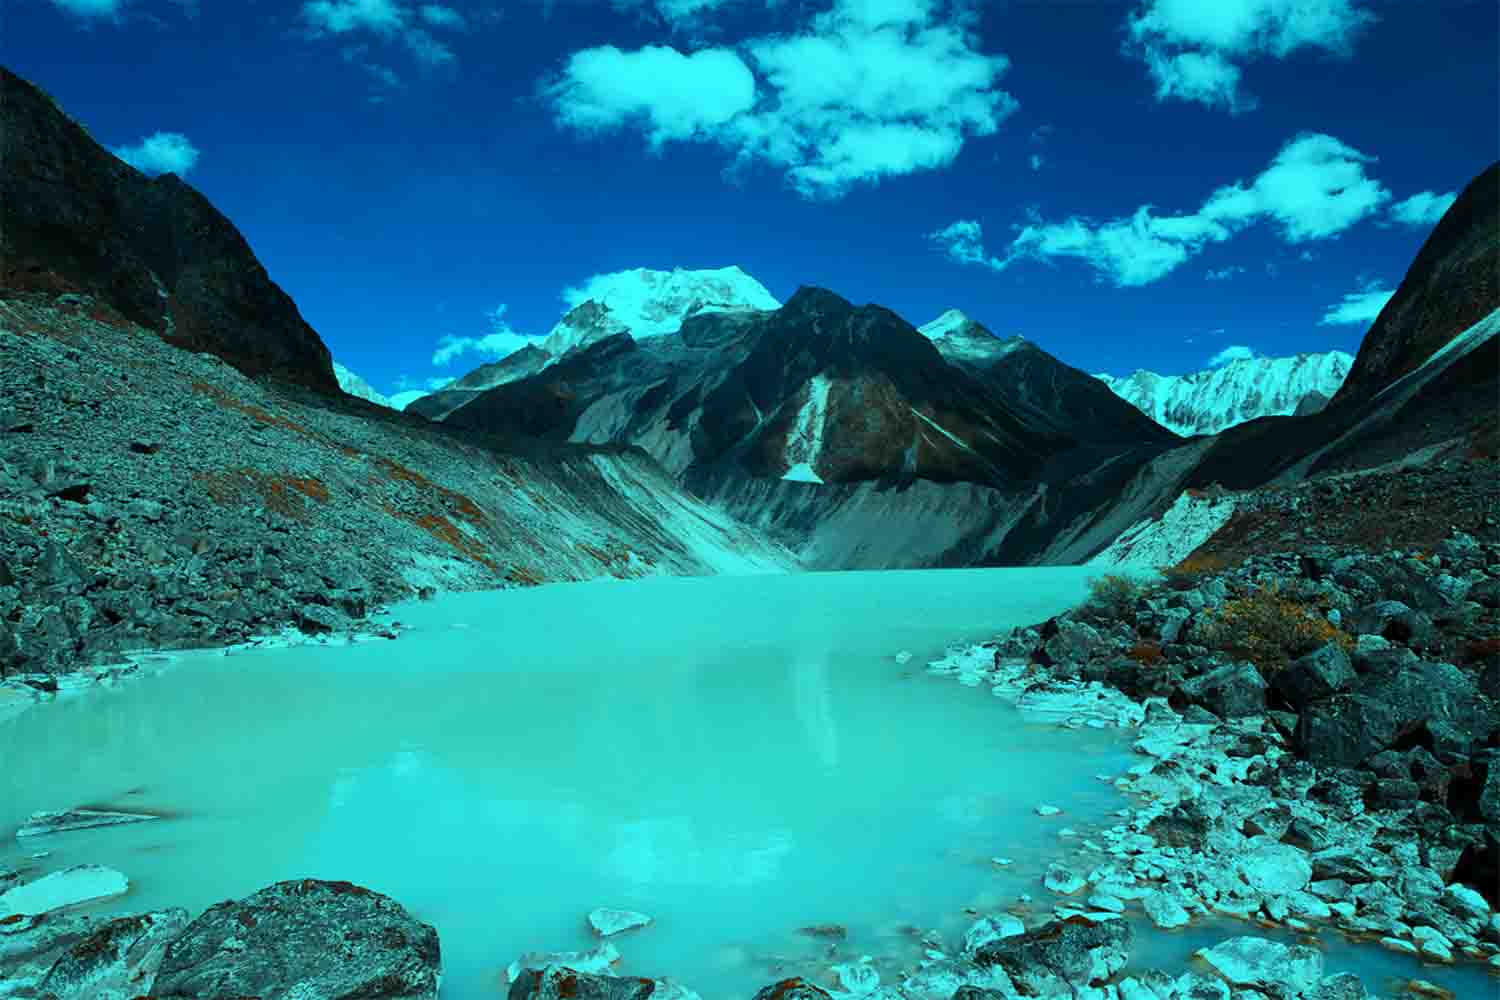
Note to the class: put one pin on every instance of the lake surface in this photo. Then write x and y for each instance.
(737, 757)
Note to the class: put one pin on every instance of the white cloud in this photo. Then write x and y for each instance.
(1423, 208)
(1234, 352)
(443, 17)
(1358, 307)
(501, 341)
(1036, 161)
(160, 153)
(1315, 188)
(870, 89)
(963, 241)
(90, 8)
(1223, 273)
(1192, 49)
(387, 19)
(670, 95)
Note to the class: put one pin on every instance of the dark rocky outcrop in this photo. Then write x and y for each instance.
(303, 938)
(1453, 282)
(153, 251)
(1060, 957)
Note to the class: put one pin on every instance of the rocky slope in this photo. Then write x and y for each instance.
(1208, 402)
(151, 498)
(152, 251)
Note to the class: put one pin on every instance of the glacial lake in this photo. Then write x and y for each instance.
(738, 757)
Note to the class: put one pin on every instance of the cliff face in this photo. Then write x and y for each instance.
(1452, 284)
(78, 219)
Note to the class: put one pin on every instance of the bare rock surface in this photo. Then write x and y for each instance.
(303, 938)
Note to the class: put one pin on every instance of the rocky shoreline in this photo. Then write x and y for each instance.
(1348, 784)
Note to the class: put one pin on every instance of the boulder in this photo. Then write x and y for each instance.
(795, 988)
(557, 982)
(1230, 691)
(1060, 956)
(317, 938)
(1279, 970)
(1320, 674)
(118, 961)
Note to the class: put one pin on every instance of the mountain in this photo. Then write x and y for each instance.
(1207, 402)
(356, 386)
(439, 403)
(1451, 285)
(827, 423)
(150, 251)
(638, 303)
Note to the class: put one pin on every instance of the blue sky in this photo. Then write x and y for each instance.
(1152, 184)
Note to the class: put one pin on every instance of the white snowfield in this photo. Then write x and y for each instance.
(1207, 402)
(647, 303)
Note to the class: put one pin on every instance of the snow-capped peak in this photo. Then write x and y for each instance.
(945, 324)
(959, 338)
(647, 303)
(1207, 402)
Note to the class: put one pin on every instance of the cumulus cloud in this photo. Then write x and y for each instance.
(160, 153)
(1193, 50)
(1423, 208)
(90, 8)
(1223, 273)
(390, 20)
(501, 341)
(1358, 307)
(869, 89)
(1315, 188)
(668, 95)
(1234, 352)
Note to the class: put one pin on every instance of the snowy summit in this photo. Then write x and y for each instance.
(647, 303)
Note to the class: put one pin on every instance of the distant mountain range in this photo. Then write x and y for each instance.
(837, 430)
(1207, 402)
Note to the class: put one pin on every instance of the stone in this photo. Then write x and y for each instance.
(1341, 986)
(79, 884)
(42, 823)
(795, 988)
(1274, 868)
(987, 929)
(1060, 956)
(326, 939)
(1320, 674)
(607, 922)
(1229, 691)
(1279, 970)
(557, 982)
(118, 961)
(1164, 909)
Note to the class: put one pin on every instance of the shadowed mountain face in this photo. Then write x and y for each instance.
(1453, 282)
(78, 219)
(1428, 370)
(845, 431)
(843, 393)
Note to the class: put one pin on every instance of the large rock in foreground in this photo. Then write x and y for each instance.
(303, 938)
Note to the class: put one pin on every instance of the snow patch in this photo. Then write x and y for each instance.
(805, 443)
(1170, 538)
